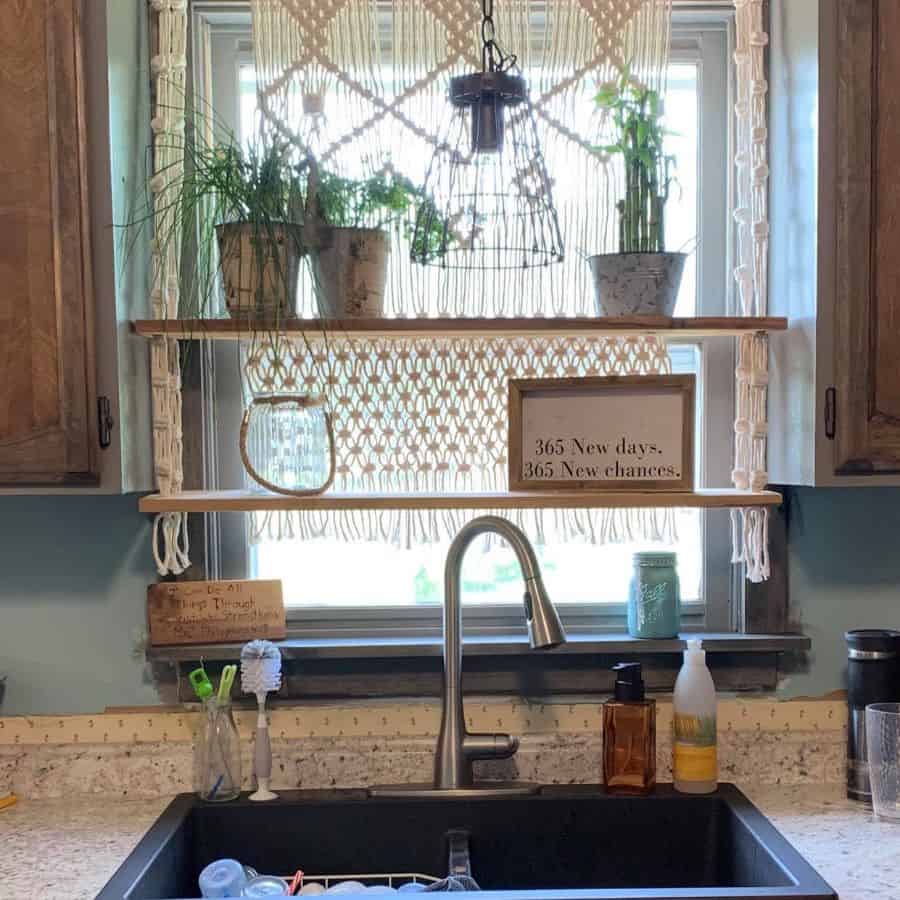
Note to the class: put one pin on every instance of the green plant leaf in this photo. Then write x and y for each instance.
(607, 96)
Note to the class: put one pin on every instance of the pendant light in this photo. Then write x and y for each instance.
(488, 201)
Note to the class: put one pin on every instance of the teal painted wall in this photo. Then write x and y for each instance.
(844, 570)
(73, 577)
(74, 572)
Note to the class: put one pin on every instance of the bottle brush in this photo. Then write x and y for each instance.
(260, 674)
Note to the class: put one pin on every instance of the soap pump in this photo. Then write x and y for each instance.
(629, 735)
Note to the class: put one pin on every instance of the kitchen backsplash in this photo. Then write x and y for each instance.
(149, 753)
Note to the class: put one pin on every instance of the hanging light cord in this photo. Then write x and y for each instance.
(493, 59)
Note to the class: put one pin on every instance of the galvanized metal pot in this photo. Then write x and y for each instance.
(350, 270)
(636, 284)
(260, 267)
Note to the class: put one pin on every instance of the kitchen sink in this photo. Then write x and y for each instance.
(562, 842)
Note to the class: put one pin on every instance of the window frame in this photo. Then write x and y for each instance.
(703, 34)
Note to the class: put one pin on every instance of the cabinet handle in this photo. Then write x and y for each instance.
(105, 422)
(830, 412)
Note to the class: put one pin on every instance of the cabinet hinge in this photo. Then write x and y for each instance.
(105, 422)
(830, 412)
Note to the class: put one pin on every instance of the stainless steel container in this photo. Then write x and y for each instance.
(873, 676)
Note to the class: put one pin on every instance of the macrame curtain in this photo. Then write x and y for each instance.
(168, 68)
(750, 526)
(363, 85)
(429, 415)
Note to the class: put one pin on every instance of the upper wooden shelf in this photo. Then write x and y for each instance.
(235, 329)
(251, 501)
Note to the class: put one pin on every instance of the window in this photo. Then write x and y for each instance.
(333, 586)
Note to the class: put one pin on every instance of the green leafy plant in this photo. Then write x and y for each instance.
(262, 182)
(376, 202)
(380, 201)
(637, 114)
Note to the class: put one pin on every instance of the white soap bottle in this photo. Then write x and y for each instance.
(694, 761)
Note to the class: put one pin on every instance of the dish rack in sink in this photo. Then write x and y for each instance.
(371, 879)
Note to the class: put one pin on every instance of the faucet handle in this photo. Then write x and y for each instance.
(489, 746)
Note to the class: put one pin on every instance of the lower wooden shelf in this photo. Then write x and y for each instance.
(250, 501)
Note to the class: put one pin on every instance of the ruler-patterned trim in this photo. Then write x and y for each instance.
(404, 720)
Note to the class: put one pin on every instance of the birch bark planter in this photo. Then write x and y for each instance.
(260, 267)
(637, 284)
(350, 270)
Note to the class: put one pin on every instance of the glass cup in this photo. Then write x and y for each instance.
(883, 740)
(217, 754)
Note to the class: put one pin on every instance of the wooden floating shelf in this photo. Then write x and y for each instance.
(236, 329)
(249, 501)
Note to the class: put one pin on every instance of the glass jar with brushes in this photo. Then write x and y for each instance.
(654, 597)
(217, 748)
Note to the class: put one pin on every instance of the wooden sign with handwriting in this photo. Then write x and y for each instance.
(210, 612)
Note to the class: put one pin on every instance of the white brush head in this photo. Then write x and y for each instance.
(260, 667)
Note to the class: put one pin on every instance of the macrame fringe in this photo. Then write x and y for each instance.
(750, 526)
(171, 547)
(750, 542)
(410, 528)
(169, 70)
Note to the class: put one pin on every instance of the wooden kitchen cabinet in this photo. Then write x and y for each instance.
(835, 242)
(74, 120)
(47, 427)
(867, 261)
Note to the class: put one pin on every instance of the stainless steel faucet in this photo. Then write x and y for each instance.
(456, 747)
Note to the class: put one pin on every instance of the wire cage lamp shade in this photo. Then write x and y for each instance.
(488, 200)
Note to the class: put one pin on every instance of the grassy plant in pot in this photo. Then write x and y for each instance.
(352, 243)
(641, 279)
(259, 196)
(233, 218)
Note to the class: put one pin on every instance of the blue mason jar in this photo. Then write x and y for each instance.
(654, 598)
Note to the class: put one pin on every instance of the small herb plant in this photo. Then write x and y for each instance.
(637, 114)
(380, 201)
(376, 202)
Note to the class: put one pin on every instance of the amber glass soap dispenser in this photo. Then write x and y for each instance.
(629, 735)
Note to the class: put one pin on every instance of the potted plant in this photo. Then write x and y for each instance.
(352, 239)
(232, 216)
(260, 195)
(641, 279)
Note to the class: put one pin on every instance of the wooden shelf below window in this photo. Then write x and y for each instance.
(236, 329)
(250, 501)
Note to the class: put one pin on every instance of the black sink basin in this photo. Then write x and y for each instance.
(573, 842)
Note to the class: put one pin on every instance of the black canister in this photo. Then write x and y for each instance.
(873, 676)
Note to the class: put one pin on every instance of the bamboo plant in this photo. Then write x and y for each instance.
(637, 114)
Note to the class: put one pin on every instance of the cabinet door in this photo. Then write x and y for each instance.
(867, 307)
(46, 340)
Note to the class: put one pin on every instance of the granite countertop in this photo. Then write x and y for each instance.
(68, 849)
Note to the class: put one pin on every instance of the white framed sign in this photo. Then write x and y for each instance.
(606, 433)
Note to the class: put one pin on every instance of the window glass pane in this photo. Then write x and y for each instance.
(335, 573)
(338, 573)
(682, 104)
(681, 210)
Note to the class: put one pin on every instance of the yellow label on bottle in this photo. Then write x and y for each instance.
(695, 748)
(694, 763)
